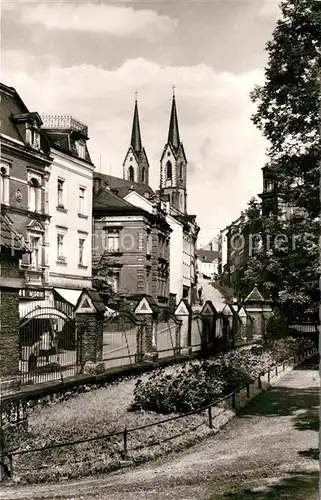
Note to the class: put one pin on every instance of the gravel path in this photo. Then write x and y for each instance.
(268, 452)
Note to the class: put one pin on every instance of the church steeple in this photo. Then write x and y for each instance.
(173, 133)
(136, 140)
(173, 174)
(135, 166)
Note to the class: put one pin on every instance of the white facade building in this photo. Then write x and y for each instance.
(70, 208)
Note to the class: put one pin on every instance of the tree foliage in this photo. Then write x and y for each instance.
(286, 263)
(103, 273)
(288, 110)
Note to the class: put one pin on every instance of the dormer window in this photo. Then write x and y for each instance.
(81, 149)
(33, 137)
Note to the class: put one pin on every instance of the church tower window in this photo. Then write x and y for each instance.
(131, 173)
(168, 170)
(181, 166)
(143, 174)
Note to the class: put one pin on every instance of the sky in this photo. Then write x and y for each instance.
(88, 58)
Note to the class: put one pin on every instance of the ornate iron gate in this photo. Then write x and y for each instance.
(47, 342)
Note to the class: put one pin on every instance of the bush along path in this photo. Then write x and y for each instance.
(106, 412)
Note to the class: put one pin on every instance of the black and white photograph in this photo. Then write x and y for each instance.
(160, 249)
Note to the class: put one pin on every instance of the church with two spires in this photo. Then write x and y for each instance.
(147, 237)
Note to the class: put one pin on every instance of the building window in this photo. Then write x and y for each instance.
(143, 174)
(81, 149)
(131, 174)
(149, 243)
(112, 240)
(60, 246)
(34, 195)
(181, 166)
(60, 192)
(168, 170)
(4, 184)
(81, 248)
(269, 185)
(35, 252)
(81, 208)
(33, 137)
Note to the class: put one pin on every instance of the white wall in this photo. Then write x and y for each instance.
(75, 173)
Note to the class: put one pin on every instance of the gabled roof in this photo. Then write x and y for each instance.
(207, 256)
(254, 296)
(65, 141)
(107, 201)
(13, 116)
(122, 186)
(10, 239)
(175, 152)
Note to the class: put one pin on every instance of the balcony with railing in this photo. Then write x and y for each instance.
(63, 122)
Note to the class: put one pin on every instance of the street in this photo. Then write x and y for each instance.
(268, 452)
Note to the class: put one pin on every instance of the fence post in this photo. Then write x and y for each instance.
(210, 417)
(125, 443)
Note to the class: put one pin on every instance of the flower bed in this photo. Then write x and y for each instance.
(96, 411)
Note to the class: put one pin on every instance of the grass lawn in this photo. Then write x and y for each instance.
(99, 411)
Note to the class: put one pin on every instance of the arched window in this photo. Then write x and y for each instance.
(168, 170)
(181, 170)
(34, 195)
(143, 174)
(131, 173)
(4, 185)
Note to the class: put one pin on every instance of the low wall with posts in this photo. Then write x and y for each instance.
(228, 405)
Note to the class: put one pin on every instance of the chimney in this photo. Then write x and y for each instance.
(211, 246)
(97, 182)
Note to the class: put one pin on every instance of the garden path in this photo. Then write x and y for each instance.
(268, 452)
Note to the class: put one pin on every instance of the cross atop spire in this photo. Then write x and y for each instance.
(173, 133)
(136, 140)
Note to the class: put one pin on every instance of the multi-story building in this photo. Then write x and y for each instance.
(24, 175)
(132, 242)
(70, 207)
(207, 262)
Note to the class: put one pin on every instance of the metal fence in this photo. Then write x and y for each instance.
(235, 400)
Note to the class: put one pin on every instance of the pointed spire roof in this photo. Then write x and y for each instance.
(173, 133)
(136, 140)
(254, 296)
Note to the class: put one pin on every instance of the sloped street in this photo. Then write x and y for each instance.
(268, 452)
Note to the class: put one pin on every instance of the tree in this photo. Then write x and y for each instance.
(288, 115)
(288, 110)
(103, 273)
